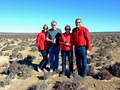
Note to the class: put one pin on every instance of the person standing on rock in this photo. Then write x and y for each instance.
(53, 36)
(81, 41)
(66, 47)
(42, 46)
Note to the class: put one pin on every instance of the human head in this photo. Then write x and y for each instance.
(45, 27)
(54, 24)
(78, 22)
(67, 29)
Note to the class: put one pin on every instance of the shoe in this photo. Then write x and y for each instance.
(38, 69)
(45, 70)
(51, 71)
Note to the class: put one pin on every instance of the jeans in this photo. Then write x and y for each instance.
(44, 61)
(68, 54)
(54, 57)
(81, 60)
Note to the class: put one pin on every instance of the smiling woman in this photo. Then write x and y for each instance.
(29, 16)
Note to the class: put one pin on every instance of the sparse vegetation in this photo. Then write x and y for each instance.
(103, 74)
(39, 86)
(15, 69)
(115, 69)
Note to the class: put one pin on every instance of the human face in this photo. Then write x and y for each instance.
(54, 25)
(78, 23)
(45, 28)
(67, 29)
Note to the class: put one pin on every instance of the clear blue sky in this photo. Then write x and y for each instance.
(31, 15)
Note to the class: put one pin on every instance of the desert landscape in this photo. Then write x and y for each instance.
(19, 58)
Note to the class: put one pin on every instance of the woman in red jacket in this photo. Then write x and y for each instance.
(66, 50)
(42, 46)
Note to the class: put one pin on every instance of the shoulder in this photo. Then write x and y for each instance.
(84, 28)
(63, 34)
(59, 30)
(74, 29)
(39, 33)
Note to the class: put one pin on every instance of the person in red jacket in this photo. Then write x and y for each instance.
(81, 40)
(66, 50)
(42, 46)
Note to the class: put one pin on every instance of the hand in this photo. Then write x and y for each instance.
(67, 44)
(88, 52)
(54, 41)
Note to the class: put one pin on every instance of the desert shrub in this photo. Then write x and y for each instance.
(67, 85)
(15, 69)
(4, 83)
(34, 48)
(91, 70)
(16, 55)
(24, 43)
(77, 77)
(103, 74)
(8, 47)
(39, 86)
(115, 69)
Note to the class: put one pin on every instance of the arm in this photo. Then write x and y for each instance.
(37, 40)
(48, 38)
(88, 40)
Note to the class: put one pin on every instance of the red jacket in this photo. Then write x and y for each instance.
(67, 39)
(41, 42)
(81, 37)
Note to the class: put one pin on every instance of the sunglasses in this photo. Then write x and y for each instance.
(78, 22)
(53, 25)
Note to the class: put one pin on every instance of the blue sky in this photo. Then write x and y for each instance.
(31, 15)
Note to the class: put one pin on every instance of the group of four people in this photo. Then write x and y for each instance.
(53, 40)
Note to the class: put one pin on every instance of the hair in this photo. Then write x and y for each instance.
(78, 19)
(45, 26)
(53, 22)
(68, 26)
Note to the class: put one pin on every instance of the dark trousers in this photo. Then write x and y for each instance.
(54, 57)
(81, 60)
(68, 54)
(44, 61)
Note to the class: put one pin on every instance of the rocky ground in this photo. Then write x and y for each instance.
(19, 58)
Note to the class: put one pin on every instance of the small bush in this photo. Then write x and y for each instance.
(91, 70)
(39, 86)
(15, 69)
(103, 74)
(67, 85)
(4, 83)
(115, 69)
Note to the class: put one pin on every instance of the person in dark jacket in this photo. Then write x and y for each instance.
(42, 46)
(66, 47)
(82, 43)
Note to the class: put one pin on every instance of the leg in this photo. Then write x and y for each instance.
(42, 63)
(51, 57)
(46, 59)
(78, 60)
(70, 58)
(63, 62)
(84, 61)
(56, 63)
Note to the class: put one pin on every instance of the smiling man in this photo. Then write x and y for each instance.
(82, 46)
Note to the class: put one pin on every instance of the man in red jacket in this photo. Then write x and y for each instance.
(42, 46)
(66, 47)
(81, 40)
